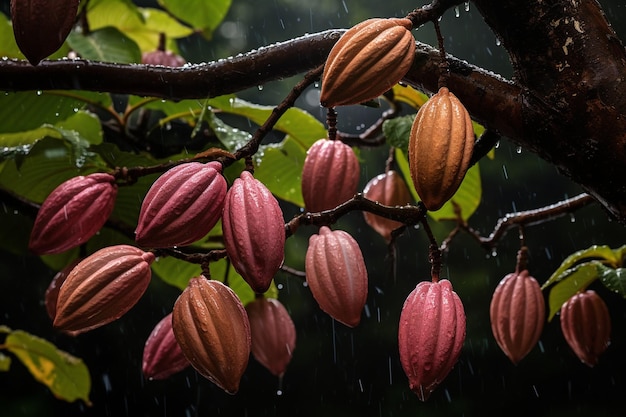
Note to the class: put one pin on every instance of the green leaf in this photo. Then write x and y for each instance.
(8, 47)
(200, 14)
(5, 362)
(603, 254)
(107, 45)
(175, 272)
(403, 166)
(279, 167)
(614, 280)
(398, 130)
(231, 137)
(571, 282)
(65, 375)
(121, 14)
(157, 22)
(24, 111)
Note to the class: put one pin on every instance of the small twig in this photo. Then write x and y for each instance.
(293, 271)
(373, 135)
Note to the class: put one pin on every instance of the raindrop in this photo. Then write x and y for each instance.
(75, 109)
(494, 252)
(497, 145)
(279, 286)
(56, 114)
(305, 284)
(260, 87)
(572, 218)
(316, 84)
(39, 92)
(467, 6)
(518, 149)
(457, 12)
(498, 42)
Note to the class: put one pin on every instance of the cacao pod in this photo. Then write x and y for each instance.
(182, 205)
(273, 334)
(391, 190)
(586, 326)
(336, 275)
(73, 213)
(164, 58)
(212, 329)
(330, 175)
(41, 26)
(102, 288)
(254, 231)
(431, 335)
(162, 356)
(52, 292)
(369, 59)
(440, 148)
(517, 313)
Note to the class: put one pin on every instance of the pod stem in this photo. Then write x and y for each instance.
(444, 66)
(331, 121)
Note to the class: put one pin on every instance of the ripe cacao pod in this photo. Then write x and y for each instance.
(430, 335)
(440, 148)
(388, 189)
(162, 356)
(586, 326)
(254, 231)
(182, 205)
(336, 274)
(330, 175)
(517, 313)
(273, 334)
(164, 58)
(212, 329)
(73, 213)
(52, 292)
(102, 288)
(369, 59)
(41, 26)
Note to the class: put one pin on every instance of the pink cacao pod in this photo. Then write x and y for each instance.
(164, 58)
(102, 288)
(430, 335)
(517, 313)
(330, 175)
(336, 274)
(52, 292)
(391, 190)
(73, 213)
(586, 326)
(162, 356)
(254, 231)
(273, 334)
(213, 331)
(182, 205)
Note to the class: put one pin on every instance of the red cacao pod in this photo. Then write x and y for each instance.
(182, 205)
(391, 190)
(162, 356)
(336, 274)
(52, 292)
(73, 213)
(102, 288)
(517, 313)
(330, 175)
(430, 335)
(586, 326)
(213, 331)
(254, 231)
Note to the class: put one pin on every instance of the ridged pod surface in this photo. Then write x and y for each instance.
(162, 356)
(273, 334)
(72, 213)
(440, 148)
(213, 331)
(102, 288)
(586, 326)
(388, 189)
(182, 205)
(336, 274)
(368, 60)
(430, 335)
(52, 292)
(517, 314)
(165, 58)
(330, 175)
(254, 231)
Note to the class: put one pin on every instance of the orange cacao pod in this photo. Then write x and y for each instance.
(586, 326)
(162, 356)
(517, 313)
(273, 334)
(254, 231)
(330, 175)
(212, 329)
(182, 205)
(368, 60)
(430, 335)
(102, 288)
(388, 189)
(73, 213)
(440, 148)
(336, 274)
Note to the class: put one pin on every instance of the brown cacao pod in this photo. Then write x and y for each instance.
(440, 148)
(73, 213)
(586, 326)
(517, 314)
(162, 356)
(212, 329)
(52, 292)
(330, 175)
(254, 231)
(368, 60)
(388, 189)
(164, 58)
(102, 288)
(182, 205)
(336, 274)
(41, 26)
(273, 334)
(431, 335)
